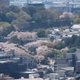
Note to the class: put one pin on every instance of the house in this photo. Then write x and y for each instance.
(5, 77)
(22, 78)
(55, 35)
(61, 72)
(34, 75)
(75, 27)
(60, 63)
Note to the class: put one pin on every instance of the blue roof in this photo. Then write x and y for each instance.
(70, 53)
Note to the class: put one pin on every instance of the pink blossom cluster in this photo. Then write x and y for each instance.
(35, 43)
(67, 15)
(23, 35)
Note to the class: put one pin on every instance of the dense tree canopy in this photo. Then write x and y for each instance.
(30, 10)
(60, 45)
(74, 41)
(77, 21)
(71, 50)
(3, 17)
(14, 9)
(5, 28)
(11, 16)
(41, 33)
(20, 24)
(23, 15)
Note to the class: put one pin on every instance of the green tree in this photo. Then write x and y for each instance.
(45, 61)
(14, 9)
(2, 39)
(76, 21)
(70, 41)
(71, 50)
(77, 41)
(23, 15)
(48, 15)
(5, 28)
(15, 40)
(41, 33)
(11, 16)
(32, 9)
(29, 9)
(37, 17)
(73, 38)
(3, 17)
(60, 45)
(67, 41)
(32, 49)
(20, 24)
(49, 45)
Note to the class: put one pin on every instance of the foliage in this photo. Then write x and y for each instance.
(32, 17)
(45, 61)
(29, 9)
(20, 24)
(14, 9)
(67, 15)
(41, 33)
(37, 17)
(2, 39)
(48, 15)
(32, 9)
(3, 17)
(15, 40)
(32, 49)
(70, 41)
(76, 21)
(60, 53)
(23, 15)
(43, 44)
(5, 28)
(60, 45)
(11, 16)
(4, 24)
(45, 51)
(77, 42)
(74, 41)
(49, 45)
(71, 50)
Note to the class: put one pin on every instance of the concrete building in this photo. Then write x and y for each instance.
(22, 78)
(11, 64)
(19, 3)
(76, 27)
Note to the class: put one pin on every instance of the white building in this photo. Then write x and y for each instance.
(19, 3)
(34, 75)
(76, 27)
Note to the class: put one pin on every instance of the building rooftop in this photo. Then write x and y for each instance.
(76, 26)
(29, 79)
(68, 68)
